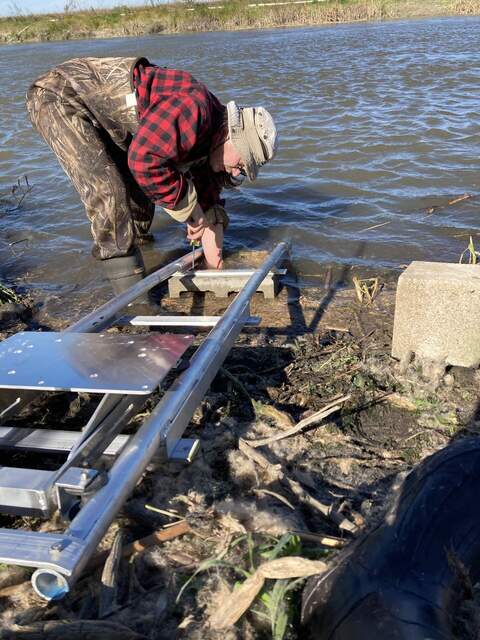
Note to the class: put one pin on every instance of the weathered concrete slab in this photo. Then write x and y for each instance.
(437, 313)
(220, 283)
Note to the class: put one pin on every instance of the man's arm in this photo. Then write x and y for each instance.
(168, 134)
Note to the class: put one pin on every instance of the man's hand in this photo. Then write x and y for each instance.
(209, 227)
(196, 224)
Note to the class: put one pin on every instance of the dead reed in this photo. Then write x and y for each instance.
(236, 14)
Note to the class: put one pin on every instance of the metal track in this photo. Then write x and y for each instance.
(60, 558)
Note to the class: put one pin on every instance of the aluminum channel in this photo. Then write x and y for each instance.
(186, 321)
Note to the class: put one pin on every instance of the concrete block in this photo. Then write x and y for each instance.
(220, 283)
(437, 313)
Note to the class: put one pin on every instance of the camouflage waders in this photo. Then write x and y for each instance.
(84, 110)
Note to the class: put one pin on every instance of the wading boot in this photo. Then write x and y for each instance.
(122, 273)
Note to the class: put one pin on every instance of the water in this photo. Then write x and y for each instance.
(378, 123)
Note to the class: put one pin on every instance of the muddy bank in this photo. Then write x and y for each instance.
(314, 347)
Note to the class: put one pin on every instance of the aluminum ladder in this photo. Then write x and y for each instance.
(124, 369)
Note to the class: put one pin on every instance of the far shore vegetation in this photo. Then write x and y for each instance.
(184, 16)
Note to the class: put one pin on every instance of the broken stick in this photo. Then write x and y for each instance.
(143, 543)
(296, 488)
(318, 416)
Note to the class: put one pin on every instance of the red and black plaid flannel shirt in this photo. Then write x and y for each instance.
(178, 117)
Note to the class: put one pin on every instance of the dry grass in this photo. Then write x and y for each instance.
(7, 295)
(470, 253)
(366, 290)
(467, 7)
(236, 14)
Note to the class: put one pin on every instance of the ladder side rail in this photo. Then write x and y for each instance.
(184, 402)
(91, 523)
(103, 316)
(107, 404)
(92, 447)
(207, 360)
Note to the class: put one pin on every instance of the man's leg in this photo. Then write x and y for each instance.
(85, 152)
(141, 208)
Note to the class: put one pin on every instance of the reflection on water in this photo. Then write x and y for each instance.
(378, 123)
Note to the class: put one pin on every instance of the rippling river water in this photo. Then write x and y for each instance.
(378, 123)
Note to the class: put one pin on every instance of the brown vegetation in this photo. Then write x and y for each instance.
(231, 15)
(467, 7)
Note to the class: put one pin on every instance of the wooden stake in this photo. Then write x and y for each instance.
(140, 545)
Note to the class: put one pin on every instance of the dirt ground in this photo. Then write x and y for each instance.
(313, 347)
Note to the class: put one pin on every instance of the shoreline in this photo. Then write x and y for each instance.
(238, 15)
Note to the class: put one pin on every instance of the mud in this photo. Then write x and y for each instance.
(314, 345)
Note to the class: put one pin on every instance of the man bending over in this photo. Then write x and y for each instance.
(132, 135)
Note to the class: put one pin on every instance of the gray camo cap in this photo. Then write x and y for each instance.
(254, 136)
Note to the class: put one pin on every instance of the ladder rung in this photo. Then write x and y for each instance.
(50, 440)
(35, 549)
(24, 491)
(186, 321)
(223, 274)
